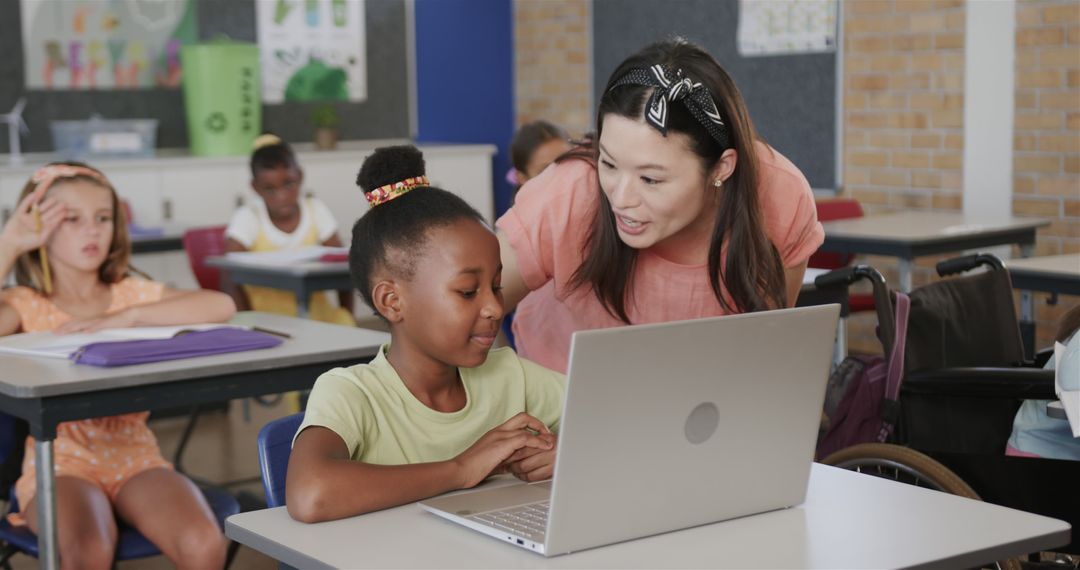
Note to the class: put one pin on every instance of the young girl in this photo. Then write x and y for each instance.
(105, 467)
(282, 220)
(437, 409)
(534, 147)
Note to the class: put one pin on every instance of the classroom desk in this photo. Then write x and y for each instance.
(45, 391)
(168, 241)
(167, 237)
(1055, 274)
(907, 235)
(302, 279)
(849, 520)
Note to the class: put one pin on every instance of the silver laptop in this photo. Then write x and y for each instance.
(668, 426)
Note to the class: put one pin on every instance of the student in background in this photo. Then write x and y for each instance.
(437, 409)
(106, 468)
(679, 211)
(1036, 434)
(283, 220)
(534, 147)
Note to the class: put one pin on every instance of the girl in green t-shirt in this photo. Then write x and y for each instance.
(429, 265)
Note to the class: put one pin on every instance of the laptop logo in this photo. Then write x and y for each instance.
(702, 422)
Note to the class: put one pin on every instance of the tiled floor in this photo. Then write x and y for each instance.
(222, 449)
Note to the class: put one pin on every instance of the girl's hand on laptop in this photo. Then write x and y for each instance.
(489, 454)
(531, 464)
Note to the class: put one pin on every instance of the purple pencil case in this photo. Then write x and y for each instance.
(186, 345)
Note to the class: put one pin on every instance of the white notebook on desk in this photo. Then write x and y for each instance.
(52, 345)
(1070, 399)
(286, 256)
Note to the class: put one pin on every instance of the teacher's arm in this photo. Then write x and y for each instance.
(793, 277)
(513, 285)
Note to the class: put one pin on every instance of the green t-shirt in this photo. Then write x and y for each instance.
(382, 423)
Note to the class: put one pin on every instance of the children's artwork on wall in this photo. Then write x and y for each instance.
(777, 27)
(312, 50)
(105, 44)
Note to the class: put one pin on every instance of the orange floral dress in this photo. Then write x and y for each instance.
(106, 451)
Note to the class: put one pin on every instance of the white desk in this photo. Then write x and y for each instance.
(47, 391)
(302, 279)
(848, 521)
(907, 235)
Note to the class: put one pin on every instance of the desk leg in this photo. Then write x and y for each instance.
(1027, 311)
(906, 266)
(48, 546)
(302, 298)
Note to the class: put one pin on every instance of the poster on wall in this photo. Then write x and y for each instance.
(777, 27)
(312, 50)
(105, 44)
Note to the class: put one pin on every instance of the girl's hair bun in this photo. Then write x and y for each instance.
(390, 164)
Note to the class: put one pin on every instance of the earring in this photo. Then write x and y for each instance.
(718, 182)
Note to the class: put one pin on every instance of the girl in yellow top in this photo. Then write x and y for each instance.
(106, 468)
(282, 220)
(438, 409)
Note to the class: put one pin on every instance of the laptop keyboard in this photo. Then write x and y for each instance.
(529, 521)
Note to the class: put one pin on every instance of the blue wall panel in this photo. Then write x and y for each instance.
(465, 78)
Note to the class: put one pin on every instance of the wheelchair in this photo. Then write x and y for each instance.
(965, 377)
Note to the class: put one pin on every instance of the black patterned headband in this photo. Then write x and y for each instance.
(668, 89)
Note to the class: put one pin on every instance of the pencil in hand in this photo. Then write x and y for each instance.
(42, 253)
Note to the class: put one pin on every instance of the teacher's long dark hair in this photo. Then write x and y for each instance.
(752, 272)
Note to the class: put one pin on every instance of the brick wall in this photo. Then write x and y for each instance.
(552, 66)
(1046, 163)
(903, 118)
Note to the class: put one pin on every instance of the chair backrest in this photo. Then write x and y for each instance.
(275, 446)
(835, 209)
(200, 243)
(964, 321)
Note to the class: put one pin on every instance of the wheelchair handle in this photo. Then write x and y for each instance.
(967, 263)
(847, 276)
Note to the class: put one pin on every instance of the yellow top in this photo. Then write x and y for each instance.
(382, 423)
(283, 302)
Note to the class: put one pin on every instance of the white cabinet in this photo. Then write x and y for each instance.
(203, 194)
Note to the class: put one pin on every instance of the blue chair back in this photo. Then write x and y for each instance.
(275, 446)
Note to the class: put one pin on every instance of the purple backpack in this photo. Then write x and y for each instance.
(861, 397)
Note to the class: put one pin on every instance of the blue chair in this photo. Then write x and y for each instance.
(131, 544)
(275, 446)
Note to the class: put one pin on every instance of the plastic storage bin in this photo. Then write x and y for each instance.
(97, 138)
(222, 97)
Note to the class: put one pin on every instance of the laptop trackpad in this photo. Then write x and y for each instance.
(484, 500)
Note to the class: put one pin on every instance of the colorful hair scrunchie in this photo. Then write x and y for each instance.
(669, 89)
(384, 194)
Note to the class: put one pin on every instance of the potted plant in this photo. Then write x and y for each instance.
(325, 119)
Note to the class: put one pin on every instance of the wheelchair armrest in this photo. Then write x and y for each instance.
(1020, 383)
(1042, 357)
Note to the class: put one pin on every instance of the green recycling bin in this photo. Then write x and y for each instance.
(221, 96)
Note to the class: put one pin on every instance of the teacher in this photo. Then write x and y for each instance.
(678, 210)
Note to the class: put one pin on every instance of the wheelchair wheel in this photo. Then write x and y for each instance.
(906, 465)
(902, 464)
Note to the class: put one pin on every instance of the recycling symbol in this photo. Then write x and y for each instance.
(216, 122)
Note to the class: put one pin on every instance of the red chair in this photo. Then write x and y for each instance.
(200, 243)
(840, 209)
